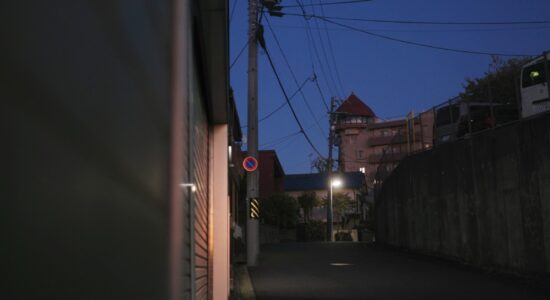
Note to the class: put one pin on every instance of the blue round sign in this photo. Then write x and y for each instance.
(250, 164)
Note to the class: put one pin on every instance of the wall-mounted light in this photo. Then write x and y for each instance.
(189, 185)
(230, 155)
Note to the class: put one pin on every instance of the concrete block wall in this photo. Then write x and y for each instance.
(484, 200)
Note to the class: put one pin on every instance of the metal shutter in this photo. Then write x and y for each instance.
(200, 170)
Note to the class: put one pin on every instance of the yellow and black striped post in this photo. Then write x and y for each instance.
(254, 209)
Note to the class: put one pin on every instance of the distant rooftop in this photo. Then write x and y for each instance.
(318, 181)
(354, 106)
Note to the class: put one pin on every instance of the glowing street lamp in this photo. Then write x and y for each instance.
(336, 183)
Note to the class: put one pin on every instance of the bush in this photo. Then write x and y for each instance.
(315, 231)
(280, 210)
(343, 236)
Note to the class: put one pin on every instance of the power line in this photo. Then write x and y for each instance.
(339, 89)
(429, 30)
(293, 75)
(281, 139)
(290, 104)
(311, 38)
(321, 94)
(233, 10)
(284, 103)
(331, 50)
(330, 3)
(239, 55)
(309, 16)
(249, 38)
(417, 43)
(285, 146)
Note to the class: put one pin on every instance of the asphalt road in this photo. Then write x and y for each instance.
(359, 271)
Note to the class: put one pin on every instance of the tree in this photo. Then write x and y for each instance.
(500, 83)
(319, 164)
(307, 202)
(280, 210)
(340, 203)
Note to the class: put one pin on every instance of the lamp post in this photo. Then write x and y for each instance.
(334, 182)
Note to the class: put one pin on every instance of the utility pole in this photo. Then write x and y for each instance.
(252, 178)
(329, 168)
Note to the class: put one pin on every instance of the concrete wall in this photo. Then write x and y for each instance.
(484, 200)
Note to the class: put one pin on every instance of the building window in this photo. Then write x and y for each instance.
(362, 170)
(359, 154)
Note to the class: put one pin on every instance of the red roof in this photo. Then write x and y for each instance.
(355, 106)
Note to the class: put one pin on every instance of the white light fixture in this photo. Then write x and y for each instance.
(336, 182)
(189, 185)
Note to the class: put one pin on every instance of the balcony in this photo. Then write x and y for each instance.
(391, 140)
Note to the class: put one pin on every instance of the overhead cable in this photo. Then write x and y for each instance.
(280, 140)
(290, 104)
(329, 3)
(309, 16)
(284, 103)
(331, 85)
(294, 76)
(332, 73)
(239, 55)
(417, 43)
(321, 94)
(331, 50)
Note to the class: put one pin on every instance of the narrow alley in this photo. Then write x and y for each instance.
(365, 271)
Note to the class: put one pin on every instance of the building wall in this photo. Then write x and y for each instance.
(371, 145)
(101, 126)
(271, 178)
(352, 150)
(483, 200)
(86, 124)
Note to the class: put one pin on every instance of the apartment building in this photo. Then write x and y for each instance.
(369, 144)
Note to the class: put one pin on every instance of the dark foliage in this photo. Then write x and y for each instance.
(499, 84)
(280, 210)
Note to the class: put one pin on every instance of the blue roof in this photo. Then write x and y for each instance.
(319, 181)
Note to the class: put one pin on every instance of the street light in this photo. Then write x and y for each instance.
(334, 182)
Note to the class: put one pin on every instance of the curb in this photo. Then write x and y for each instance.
(245, 289)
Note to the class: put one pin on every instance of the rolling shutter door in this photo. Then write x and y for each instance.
(200, 170)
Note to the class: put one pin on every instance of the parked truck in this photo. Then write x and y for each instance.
(457, 118)
(534, 86)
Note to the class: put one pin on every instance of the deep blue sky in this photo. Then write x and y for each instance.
(392, 78)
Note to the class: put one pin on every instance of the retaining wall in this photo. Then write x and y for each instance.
(484, 200)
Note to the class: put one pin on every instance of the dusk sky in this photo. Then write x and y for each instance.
(393, 78)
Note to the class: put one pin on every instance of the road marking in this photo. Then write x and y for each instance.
(340, 264)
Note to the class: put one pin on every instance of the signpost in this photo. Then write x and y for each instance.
(250, 164)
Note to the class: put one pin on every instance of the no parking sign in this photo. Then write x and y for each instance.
(250, 164)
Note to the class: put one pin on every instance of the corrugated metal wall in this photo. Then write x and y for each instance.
(200, 175)
(200, 149)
